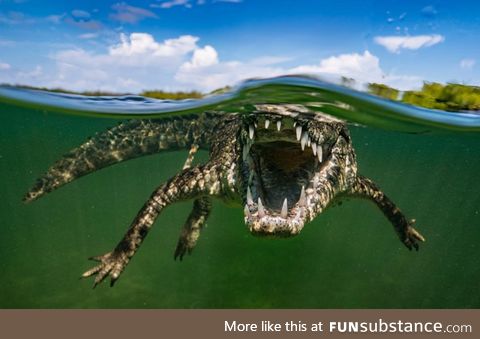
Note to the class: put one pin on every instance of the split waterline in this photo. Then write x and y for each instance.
(349, 257)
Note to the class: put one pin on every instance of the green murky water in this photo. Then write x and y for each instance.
(349, 257)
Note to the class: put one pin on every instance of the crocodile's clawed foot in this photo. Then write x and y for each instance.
(411, 236)
(111, 264)
(193, 226)
(181, 250)
(184, 246)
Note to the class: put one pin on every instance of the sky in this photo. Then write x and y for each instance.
(135, 45)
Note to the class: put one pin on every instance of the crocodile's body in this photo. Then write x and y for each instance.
(282, 163)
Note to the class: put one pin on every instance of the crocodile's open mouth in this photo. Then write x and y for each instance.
(284, 161)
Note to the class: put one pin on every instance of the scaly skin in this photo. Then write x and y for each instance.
(197, 218)
(126, 141)
(283, 163)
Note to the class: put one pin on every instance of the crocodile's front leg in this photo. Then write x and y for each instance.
(197, 218)
(366, 188)
(194, 224)
(191, 183)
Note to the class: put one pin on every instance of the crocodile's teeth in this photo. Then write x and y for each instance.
(261, 210)
(251, 130)
(303, 199)
(309, 142)
(246, 211)
(284, 211)
(249, 196)
(298, 130)
(267, 123)
(314, 148)
(246, 149)
(320, 153)
(304, 140)
(279, 125)
(250, 178)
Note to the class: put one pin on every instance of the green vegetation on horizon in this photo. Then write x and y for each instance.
(159, 94)
(156, 94)
(449, 97)
(383, 91)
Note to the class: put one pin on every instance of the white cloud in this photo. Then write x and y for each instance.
(166, 4)
(363, 68)
(220, 74)
(202, 57)
(139, 62)
(4, 66)
(173, 3)
(395, 43)
(144, 44)
(358, 66)
(467, 63)
(36, 73)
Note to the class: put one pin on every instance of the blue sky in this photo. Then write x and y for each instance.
(128, 46)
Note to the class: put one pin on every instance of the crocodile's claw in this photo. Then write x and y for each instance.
(194, 224)
(111, 264)
(184, 246)
(411, 237)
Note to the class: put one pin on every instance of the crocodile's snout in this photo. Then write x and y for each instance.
(285, 159)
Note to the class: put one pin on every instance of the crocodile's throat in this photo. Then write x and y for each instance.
(284, 161)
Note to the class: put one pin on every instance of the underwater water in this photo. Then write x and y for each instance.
(427, 162)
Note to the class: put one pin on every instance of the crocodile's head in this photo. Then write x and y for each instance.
(287, 155)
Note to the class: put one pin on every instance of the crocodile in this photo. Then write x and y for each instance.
(284, 164)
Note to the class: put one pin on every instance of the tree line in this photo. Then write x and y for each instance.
(448, 97)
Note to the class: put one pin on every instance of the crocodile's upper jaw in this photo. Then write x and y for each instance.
(283, 161)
